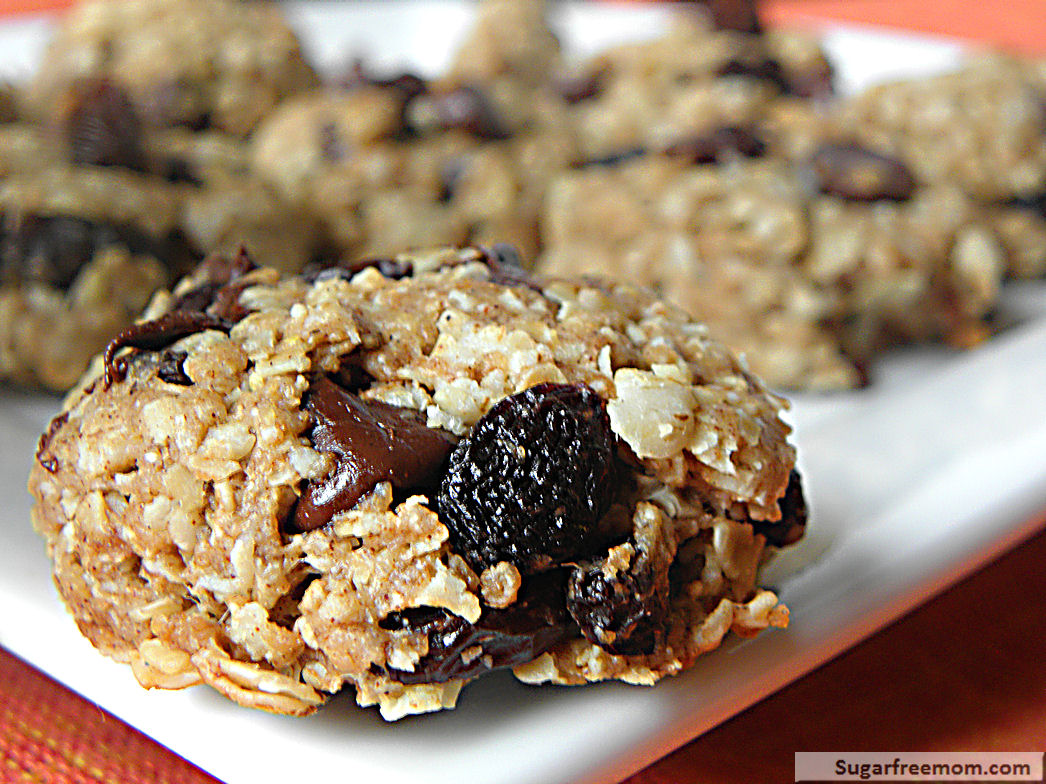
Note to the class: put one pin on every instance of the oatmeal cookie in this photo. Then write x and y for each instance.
(809, 269)
(402, 474)
(219, 64)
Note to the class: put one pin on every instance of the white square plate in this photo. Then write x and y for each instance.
(932, 471)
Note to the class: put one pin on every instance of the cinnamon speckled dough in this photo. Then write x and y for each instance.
(165, 497)
(215, 63)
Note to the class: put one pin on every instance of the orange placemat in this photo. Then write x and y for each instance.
(49, 735)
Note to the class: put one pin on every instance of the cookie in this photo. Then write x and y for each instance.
(980, 127)
(399, 475)
(808, 270)
(217, 64)
(83, 250)
(695, 78)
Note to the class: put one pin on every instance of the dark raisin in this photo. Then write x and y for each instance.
(506, 267)
(580, 86)
(465, 108)
(858, 174)
(621, 611)
(738, 16)
(516, 635)
(530, 482)
(332, 147)
(102, 127)
(615, 158)
(792, 525)
(327, 269)
(717, 146)
(1035, 202)
(219, 292)
(372, 442)
(765, 69)
(175, 169)
(170, 368)
(52, 249)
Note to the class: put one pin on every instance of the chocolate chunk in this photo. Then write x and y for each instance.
(858, 174)
(102, 127)
(738, 16)
(372, 442)
(465, 108)
(717, 146)
(170, 368)
(516, 635)
(792, 525)
(154, 335)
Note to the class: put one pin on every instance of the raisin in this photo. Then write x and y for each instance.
(792, 525)
(615, 158)
(738, 16)
(858, 174)
(102, 127)
(580, 86)
(219, 292)
(621, 611)
(465, 108)
(718, 145)
(530, 482)
(515, 635)
(326, 269)
(372, 442)
(52, 249)
(506, 267)
(767, 69)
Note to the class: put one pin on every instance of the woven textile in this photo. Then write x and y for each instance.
(49, 735)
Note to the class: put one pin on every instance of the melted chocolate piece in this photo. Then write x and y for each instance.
(154, 335)
(515, 635)
(856, 173)
(717, 146)
(373, 442)
(52, 249)
(792, 525)
(102, 127)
